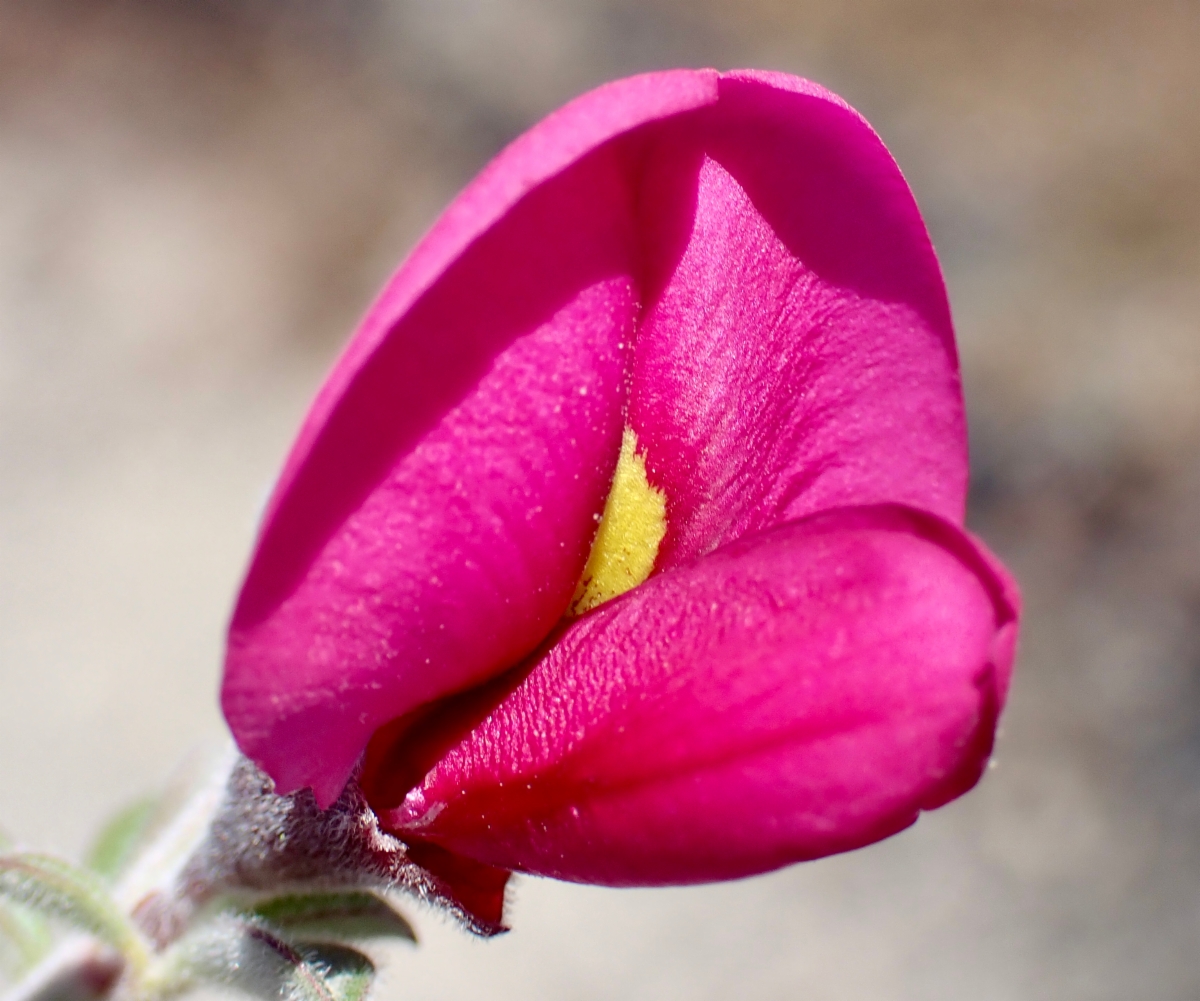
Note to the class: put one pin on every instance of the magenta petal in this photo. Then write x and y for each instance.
(800, 692)
(736, 267)
(798, 353)
(437, 508)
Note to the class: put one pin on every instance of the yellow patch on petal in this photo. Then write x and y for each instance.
(631, 529)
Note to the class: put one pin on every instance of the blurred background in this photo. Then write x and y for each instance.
(197, 200)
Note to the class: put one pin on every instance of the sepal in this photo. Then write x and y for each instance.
(260, 843)
(335, 917)
(249, 954)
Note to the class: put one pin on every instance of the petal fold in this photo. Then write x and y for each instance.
(797, 693)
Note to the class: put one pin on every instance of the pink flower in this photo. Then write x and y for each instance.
(718, 289)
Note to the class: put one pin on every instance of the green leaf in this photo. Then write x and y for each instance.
(121, 838)
(324, 917)
(58, 889)
(348, 973)
(249, 955)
